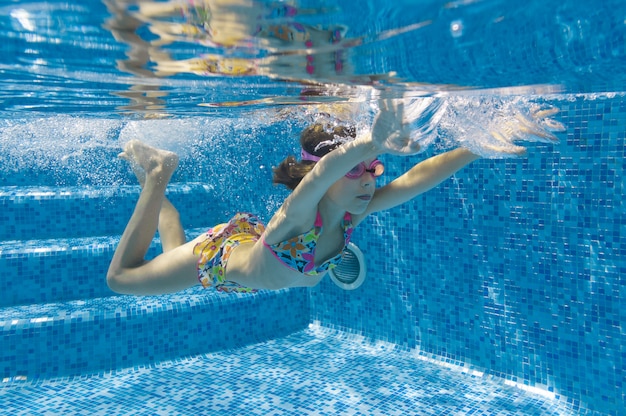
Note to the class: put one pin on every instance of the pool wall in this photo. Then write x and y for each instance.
(513, 267)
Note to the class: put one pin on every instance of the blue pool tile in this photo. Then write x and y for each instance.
(317, 371)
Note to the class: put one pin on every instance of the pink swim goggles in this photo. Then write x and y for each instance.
(376, 168)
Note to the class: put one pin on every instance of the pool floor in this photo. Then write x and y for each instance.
(316, 371)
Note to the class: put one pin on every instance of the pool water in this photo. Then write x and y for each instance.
(499, 292)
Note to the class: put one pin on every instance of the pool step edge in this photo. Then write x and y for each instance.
(53, 270)
(64, 212)
(82, 337)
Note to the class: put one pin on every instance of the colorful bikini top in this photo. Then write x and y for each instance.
(298, 253)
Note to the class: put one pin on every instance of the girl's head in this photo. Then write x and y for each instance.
(317, 140)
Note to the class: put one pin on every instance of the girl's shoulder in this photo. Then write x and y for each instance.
(286, 223)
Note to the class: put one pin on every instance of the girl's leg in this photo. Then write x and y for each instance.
(173, 270)
(169, 226)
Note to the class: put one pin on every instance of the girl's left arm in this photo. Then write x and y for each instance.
(421, 178)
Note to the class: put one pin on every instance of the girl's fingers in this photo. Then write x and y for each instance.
(400, 109)
(543, 113)
(554, 125)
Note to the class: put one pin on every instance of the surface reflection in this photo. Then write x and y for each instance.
(226, 38)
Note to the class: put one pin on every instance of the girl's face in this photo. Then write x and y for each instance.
(353, 194)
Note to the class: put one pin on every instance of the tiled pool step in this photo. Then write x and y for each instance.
(53, 270)
(101, 334)
(58, 317)
(29, 213)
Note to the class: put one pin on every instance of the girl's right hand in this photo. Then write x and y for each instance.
(390, 132)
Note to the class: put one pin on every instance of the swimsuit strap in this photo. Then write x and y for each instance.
(347, 227)
(318, 220)
(345, 223)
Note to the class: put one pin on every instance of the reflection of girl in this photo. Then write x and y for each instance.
(294, 50)
(207, 65)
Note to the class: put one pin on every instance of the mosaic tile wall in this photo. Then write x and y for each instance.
(516, 267)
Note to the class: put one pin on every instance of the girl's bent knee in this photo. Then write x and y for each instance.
(113, 282)
(118, 282)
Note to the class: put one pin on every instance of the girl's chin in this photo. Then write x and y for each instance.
(359, 208)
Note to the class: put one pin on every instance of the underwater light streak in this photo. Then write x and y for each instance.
(24, 19)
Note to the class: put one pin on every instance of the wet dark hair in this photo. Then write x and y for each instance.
(291, 171)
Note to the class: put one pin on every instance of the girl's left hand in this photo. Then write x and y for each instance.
(536, 126)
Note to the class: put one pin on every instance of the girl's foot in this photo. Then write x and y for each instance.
(149, 162)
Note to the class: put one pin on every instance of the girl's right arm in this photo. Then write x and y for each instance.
(389, 134)
(298, 211)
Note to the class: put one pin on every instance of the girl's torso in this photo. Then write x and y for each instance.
(300, 252)
(257, 266)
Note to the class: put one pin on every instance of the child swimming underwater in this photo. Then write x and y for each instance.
(333, 191)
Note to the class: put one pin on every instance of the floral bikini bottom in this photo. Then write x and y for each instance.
(215, 250)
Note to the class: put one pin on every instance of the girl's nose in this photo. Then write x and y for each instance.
(367, 180)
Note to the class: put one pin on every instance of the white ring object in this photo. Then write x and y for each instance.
(350, 273)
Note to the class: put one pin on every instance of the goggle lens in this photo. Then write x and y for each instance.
(376, 169)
